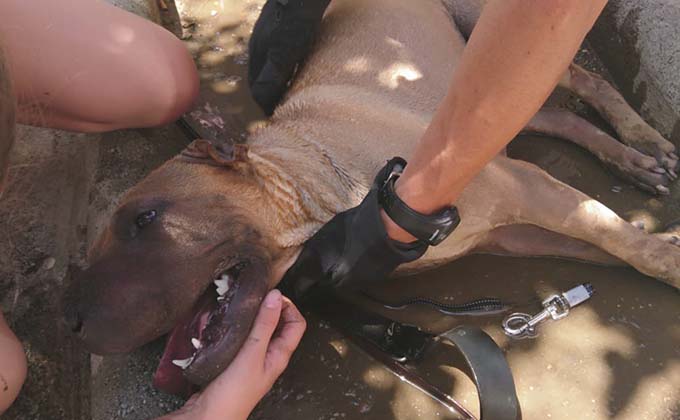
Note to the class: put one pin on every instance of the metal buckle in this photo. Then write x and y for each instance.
(395, 173)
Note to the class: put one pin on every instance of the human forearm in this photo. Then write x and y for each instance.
(514, 58)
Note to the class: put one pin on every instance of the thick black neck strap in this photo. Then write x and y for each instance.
(431, 229)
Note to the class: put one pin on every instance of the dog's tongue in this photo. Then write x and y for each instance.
(170, 378)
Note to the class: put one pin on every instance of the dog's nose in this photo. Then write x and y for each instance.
(73, 320)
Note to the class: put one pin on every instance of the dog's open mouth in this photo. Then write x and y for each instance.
(203, 344)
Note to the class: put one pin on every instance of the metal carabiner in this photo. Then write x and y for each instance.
(520, 325)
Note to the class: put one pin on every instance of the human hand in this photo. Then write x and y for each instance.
(352, 250)
(281, 39)
(276, 333)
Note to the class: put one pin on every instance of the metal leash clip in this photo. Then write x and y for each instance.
(520, 325)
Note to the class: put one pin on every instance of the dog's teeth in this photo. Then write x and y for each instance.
(222, 286)
(183, 363)
(221, 283)
(659, 170)
(196, 343)
(225, 276)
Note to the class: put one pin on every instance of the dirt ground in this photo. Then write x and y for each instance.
(618, 356)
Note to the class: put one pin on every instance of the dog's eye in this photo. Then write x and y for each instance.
(145, 219)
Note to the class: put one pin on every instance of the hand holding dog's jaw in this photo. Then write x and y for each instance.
(276, 333)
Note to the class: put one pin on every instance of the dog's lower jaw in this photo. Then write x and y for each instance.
(230, 324)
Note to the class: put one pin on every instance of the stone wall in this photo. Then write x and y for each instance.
(639, 41)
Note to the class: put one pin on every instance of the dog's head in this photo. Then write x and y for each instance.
(188, 251)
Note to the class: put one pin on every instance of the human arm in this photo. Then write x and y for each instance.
(513, 60)
(276, 332)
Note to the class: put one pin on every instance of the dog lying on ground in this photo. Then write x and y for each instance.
(236, 216)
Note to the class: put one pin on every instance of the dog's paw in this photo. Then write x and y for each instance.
(645, 139)
(671, 234)
(643, 171)
(671, 238)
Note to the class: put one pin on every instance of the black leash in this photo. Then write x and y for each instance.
(187, 129)
(489, 371)
(398, 345)
(408, 374)
(477, 307)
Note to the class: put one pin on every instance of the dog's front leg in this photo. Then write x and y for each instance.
(631, 128)
(642, 170)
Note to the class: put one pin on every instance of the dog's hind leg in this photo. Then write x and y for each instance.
(640, 169)
(533, 241)
(541, 200)
(630, 127)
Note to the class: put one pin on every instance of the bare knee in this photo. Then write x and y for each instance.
(171, 82)
(175, 83)
(149, 84)
(127, 72)
(13, 366)
(163, 89)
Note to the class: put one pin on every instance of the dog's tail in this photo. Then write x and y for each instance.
(7, 111)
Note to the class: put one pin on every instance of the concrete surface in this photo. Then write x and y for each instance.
(60, 186)
(640, 42)
(43, 216)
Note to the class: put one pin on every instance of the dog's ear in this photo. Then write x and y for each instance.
(225, 154)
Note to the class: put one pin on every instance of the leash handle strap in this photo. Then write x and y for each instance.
(489, 370)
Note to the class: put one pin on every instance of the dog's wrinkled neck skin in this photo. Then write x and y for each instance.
(305, 187)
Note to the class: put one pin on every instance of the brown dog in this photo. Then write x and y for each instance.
(238, 217)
